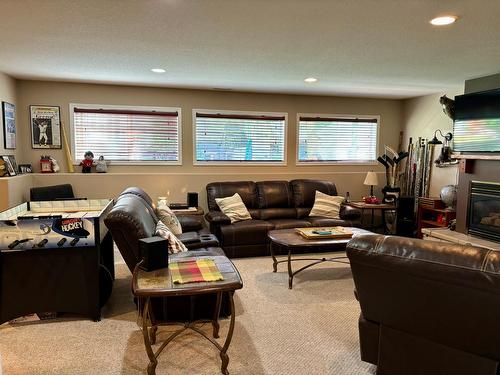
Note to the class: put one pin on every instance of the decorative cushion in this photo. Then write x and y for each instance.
(167, 216)
(174, 244)
(326, 205)
(234, 208)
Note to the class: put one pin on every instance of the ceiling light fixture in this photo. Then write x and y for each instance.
(443, 20)
(311, 80)
(158, 70)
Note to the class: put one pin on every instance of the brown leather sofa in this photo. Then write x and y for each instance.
(133, 217)
(272, 205)
(427, 307)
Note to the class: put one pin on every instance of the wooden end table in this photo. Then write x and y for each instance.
(382, 207)
(293, 242)
(146, 285)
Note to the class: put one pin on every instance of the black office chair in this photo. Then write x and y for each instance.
(51, 193)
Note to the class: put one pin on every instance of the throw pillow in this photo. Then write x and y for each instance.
(234, 208)
(167, 216)
(174, 244)
(326, 205)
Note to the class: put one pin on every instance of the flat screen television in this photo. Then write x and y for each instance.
(477, 122)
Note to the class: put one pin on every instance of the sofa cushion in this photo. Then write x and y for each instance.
(274, 194)
(246, 189)
(248, 232)
(326, 205)
(289, 223)
(167, 217)
(277, 213)
(234, 208)
(304, 191)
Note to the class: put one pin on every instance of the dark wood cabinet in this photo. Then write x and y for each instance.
(433, 214)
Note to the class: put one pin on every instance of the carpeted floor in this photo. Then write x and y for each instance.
(311, 329)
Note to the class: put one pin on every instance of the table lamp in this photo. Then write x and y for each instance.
(372, 180)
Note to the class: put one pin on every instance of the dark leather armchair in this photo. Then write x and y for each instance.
(427, 307)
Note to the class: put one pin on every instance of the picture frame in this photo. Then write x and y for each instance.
(13, 161)
(45, 124)
(8, 164)
(25, 168)
(9, 125)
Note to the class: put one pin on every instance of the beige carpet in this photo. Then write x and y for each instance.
(311, 329)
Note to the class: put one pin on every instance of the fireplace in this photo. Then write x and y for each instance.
(484, 210)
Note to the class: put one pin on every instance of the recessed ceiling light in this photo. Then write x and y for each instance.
(311, 80)
(158, 70)
(443, 20)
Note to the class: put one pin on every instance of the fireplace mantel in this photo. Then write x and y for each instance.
(476, 156)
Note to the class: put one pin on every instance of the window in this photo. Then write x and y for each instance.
(142, 135)
(337, 139)
(239, 137)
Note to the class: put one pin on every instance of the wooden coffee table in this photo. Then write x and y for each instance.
(147, 285)
(293, 242)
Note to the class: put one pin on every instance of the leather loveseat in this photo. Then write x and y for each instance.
(427, 307)
(133, 217)
(272, 205)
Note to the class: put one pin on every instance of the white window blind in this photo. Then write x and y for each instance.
(330, 139)
(242, 138)
(124, 135)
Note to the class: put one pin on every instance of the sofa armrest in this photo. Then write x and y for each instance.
(349, 213)
(191, 223)
(197, 240)
(217, 218)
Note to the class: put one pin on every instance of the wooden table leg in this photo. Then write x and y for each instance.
(223, 353)
(290, 273)
(147, 343)
(275, 261)
(215, 320)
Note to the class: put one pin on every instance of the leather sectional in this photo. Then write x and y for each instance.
(272, 205)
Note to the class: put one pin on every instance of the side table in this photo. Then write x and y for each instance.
(382, 207)
(146, 285)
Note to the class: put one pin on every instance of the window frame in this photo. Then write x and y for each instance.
(72, 107)
(329, 162)
(241, 162)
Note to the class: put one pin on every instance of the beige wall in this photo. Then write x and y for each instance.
(179, 179)
(422, 116)
(8, 94)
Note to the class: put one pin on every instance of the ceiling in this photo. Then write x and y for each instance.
(371, 48)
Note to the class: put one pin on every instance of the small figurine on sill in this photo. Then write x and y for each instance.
(55, 166)
(88, 162)
(100, 165)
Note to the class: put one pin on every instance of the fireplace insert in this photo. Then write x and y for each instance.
(484, 210)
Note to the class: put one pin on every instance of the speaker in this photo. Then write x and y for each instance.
(406, 224)
(192, 199)
(154, 253)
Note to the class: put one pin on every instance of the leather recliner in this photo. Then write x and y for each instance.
(133, 217)
(427, 307)
(272, 205)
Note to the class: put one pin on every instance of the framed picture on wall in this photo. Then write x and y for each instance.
(9, 125)
(45, 123)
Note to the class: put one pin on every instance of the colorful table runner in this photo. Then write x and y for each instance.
(193, 271)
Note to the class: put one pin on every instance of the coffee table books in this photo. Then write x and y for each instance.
(325, 232)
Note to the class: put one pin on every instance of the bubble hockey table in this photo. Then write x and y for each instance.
(55, 256)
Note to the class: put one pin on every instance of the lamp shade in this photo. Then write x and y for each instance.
(371, 179)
